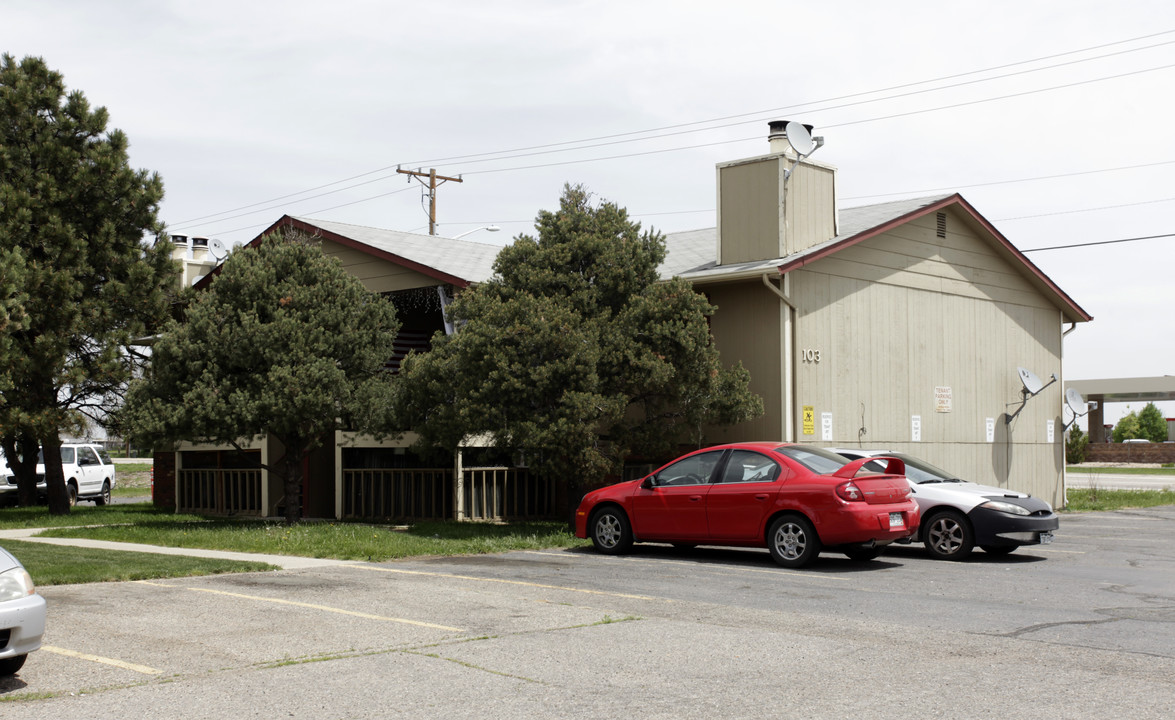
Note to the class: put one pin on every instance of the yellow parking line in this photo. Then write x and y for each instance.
(324, 608)
(104, 660)
(507, 582)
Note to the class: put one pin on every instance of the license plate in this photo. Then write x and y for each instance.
(1046, 538)
(895, 520)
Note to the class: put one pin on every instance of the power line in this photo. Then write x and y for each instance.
(1083, 210)
(1099, 242)
(836, 125)
(774, 111)
(521, 152)
(1076, 173)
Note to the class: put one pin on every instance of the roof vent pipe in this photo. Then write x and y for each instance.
(779, 141)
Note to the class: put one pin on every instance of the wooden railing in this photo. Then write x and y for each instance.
(398, 494)
(493, 493)
(219, 492)
(502, 493)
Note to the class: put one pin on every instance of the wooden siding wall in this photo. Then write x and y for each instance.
(749, 211)
(752, 222)
(811, 208)
(901, 314)
(748, 327)
(377, 275)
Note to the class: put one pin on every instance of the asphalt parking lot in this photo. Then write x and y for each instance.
(1084, 627)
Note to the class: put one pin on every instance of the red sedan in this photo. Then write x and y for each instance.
(792, 499)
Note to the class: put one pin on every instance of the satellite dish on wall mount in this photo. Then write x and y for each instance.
(1078, 405)
(1032, 386)
(800, 138)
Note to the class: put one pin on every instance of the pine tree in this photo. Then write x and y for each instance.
(1127, 428)
(1151, 424)
(576, 353)
(73, 219)
(283, 343)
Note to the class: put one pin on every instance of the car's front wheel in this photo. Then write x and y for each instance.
(948, 535)
(792, 541)
(72, 490)
(104, 498)
(611, 532)
(9, 666)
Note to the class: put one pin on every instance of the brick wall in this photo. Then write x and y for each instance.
(1131, 452)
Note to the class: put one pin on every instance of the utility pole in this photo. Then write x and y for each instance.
(432, 192)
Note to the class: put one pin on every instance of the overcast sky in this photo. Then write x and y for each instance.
(1052, 118)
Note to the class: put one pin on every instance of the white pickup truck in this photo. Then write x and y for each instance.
(89, 474)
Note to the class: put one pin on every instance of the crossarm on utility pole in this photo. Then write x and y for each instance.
(432, 191)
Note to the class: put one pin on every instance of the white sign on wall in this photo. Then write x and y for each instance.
(943, 399)
(826, 426)
(916, 428)
(1050, 426)
(991, 430)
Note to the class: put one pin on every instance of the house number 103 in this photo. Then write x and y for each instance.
(810, 356)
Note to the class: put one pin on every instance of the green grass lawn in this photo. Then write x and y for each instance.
(89, 514)
(343, 541)
(1086, 499)
(56, 565)
(1121, 470)
(143, 523)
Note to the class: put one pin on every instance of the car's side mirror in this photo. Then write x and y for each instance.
(649, 483)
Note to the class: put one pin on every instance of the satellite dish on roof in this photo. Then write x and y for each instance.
(217, 248)
(800, 138)
(1075, 401)
(1032, 384)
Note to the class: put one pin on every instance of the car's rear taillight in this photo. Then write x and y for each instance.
(849, 491)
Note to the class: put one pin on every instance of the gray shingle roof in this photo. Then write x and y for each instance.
(694, 254)
(470, 261)
(691, 254)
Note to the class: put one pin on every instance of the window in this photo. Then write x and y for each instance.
(745, 466)
(86, 456)
(818, 460)
(693, 470)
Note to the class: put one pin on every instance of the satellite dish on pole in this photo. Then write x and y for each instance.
(1032, 384)
(800, 138)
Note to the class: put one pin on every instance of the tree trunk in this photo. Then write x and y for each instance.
(21, 454)
(55, 477)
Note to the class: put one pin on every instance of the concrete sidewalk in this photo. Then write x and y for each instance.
(285, 562)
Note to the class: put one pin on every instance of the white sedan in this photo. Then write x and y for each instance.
(22, 614)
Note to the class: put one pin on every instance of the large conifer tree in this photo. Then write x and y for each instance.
(575, 353)
(284, 343)
(73, 220)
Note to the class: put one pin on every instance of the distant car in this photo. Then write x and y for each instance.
(89, 472)
(22, 614)
(7, 483)
(792, 499)
(957, 516)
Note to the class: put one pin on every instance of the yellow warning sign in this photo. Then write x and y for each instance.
(809, 420)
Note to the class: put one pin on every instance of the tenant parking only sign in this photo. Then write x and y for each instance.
(942, 399)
